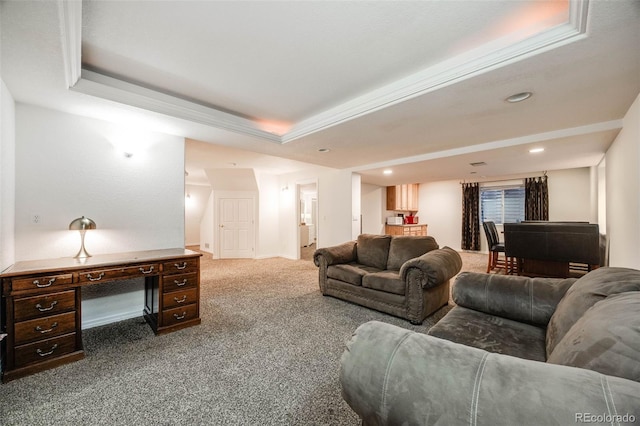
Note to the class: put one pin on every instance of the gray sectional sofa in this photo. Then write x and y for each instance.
(405, 276)
(514, 351)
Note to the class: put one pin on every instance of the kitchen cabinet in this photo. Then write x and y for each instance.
(403, 197)
(412, 230)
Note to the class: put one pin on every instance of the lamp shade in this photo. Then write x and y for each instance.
(81, 224)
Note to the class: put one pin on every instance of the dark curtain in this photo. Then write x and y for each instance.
(470, 216)
(536, 198)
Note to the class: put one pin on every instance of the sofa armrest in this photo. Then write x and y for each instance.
(342, 253)
(438, 266)
(531, 300)
(390, 375)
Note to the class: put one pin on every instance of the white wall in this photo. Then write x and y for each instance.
(356, 226)
(268, 216)
(373, 201)
(288, 215)
(441, 204)
(195, 203)
(623, 192)
(602, 196)
(67, 167)
(206, 226)
(7, 177)
(335, 208)
(570, 194)
(7, 180)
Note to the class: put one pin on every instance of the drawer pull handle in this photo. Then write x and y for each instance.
(53, 348)
(181, 300)
(98, 278)
(182, 266)
(180, 284)
(37, 283)
(147, 272)
(179, 317)
(41, 309)
(54, 325)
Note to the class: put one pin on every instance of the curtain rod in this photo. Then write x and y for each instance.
(544, 174)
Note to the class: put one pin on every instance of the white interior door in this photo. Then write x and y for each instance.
(236, 228)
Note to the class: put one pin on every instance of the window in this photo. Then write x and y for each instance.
(502, 205)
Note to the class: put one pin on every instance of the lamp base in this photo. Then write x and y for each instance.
(82, 253)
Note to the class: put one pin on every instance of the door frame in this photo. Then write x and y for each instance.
(298, 199)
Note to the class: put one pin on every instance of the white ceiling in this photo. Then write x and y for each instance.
(417, 86)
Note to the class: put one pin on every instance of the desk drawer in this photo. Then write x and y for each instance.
(41, 282)
(44, 349)
(179, 314)
(180, 298)
(97, 275)
(178, 282)
(42, 328)
(180, 266)
(44, 305)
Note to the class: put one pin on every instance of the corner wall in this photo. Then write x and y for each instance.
(623, 192)
(7, 177)
(195, 201)
(66, 167)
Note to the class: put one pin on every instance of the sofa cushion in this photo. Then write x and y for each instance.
(351, 273)
(373, 250)
(491, 333)
(403, 248)
(531, 300)
(387, 281)
(583, 294)
(605, 339)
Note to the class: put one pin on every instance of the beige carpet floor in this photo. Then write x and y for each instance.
(267, 353)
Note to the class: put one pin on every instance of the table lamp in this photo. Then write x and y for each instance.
(82, 224)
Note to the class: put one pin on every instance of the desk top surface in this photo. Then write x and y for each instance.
(72, 263)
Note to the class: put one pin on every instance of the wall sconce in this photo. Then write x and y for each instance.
(82, 224)
(285, 188)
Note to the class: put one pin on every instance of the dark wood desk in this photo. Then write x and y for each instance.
(41, 302)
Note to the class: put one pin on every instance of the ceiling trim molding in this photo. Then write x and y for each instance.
(481, 60)
(102, 86)
(70, 21)
(504, 143)
(488, 57)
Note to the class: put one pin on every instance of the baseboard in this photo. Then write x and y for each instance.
(120, 316)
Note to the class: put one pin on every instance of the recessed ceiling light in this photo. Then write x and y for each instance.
(519, 97)
(387, 171)
(324, 150)
(536, 150)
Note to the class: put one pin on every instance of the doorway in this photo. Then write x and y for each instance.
(307, 219)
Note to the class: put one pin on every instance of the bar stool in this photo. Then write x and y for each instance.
(495, 248)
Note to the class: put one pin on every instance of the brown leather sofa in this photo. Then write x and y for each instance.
(405, 276)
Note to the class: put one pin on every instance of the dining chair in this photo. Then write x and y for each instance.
(495, 248)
